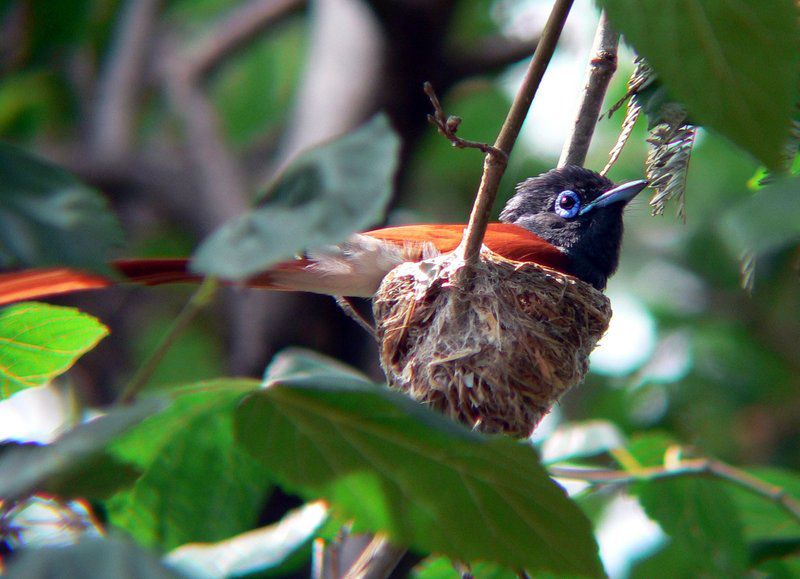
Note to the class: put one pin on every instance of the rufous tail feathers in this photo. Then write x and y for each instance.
(354, 268)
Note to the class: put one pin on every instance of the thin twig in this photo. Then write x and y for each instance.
(236, 30)
(377, 560)
(448, 126)
(346, 305)
(602, 66)
(494, 165)
(112, 129)
(201, 298)
(686, 467)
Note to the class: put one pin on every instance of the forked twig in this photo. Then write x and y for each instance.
(686, 467)
(448, 125)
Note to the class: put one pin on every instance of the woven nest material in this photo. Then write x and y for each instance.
(496, 357)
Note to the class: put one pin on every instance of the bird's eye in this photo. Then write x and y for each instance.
(568, 204)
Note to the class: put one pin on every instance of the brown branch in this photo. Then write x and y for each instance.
(448, 126)
(601, 68)
(236, 30)
(686, 467)
(377, 560)
(112, 130)
(495, 165)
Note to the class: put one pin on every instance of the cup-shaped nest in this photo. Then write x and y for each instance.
(496, 355)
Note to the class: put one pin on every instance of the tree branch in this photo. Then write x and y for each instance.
(494, 165)
(686, 467)
(601, 68)
(112, 130)
(234, 31)
(377, 561)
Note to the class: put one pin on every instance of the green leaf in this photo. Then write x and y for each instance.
(393, 465)
(47, 217)
(442, 568)
(295, 362)
(767, 221)
(39, 341)
(781, 569)
(733, 64)
(26, 468)
(702, 522)
(97, 478)
(696, 512)
(198, 485)
(762, 518)
(257, 550)
(89, 559)
(325, 195)
(761, 551)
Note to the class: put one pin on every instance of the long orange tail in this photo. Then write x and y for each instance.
(41, 283)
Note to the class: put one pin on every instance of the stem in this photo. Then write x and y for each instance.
(377, 561)
(689, 467)
(495, 165)
(199, 300)
(601, 68)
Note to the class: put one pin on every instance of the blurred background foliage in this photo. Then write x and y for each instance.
(180, 111)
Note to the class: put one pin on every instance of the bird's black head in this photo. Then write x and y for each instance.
(578, 211)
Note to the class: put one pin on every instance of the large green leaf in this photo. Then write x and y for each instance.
(47, 217)
(762, 518)
(90, 559)
(734, 64)
(393, 465)
(258, 550)
(702, 522)
(40, 341)
(768, 220)
(198, 485)
(696, 512)
(325, 195)
(26, 468)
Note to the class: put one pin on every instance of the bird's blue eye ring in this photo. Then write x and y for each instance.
(568, 204)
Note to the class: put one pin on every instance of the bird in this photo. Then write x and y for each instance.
(569, 219)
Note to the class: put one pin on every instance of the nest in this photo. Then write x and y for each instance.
(496, 357)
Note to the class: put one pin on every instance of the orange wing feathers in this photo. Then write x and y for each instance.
(510, 241)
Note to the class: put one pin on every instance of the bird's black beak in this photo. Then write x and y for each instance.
(619, 194)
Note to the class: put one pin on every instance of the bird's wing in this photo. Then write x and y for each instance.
(510, 241)
(354, 268)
